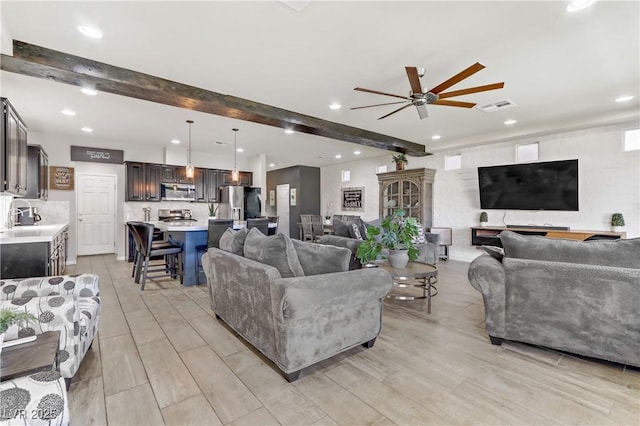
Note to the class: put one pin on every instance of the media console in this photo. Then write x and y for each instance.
(489, 235)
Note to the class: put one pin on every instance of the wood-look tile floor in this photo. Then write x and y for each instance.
(163, 358)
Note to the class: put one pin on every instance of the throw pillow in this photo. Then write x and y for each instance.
(340, 228)
(233, 241)
(277, 251)
(321, 259)
(496, 252)
(420, 238)
(354, 231)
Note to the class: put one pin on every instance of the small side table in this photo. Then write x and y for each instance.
(425, 273)
(32, 357)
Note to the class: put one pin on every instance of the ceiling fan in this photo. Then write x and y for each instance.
(420, 98)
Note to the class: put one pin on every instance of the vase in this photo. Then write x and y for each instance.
(617, 228)
(398, 258)
(400, 165)
(483, 223)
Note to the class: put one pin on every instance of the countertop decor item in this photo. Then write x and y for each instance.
(213, 210)
(484, 218)
(396, 234)
(9, 317)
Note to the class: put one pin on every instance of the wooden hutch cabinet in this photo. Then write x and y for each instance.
(411, 190)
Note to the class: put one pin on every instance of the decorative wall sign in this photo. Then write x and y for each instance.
(294, 200)
(353, 198)
(61, 178)
(272, 198)
(97, 155)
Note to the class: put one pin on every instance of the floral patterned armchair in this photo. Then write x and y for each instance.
(69, 303)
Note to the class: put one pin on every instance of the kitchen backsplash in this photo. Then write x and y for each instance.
(133, 211)
(52, 212)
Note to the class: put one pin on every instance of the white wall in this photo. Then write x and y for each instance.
(609, 180)
(59, 152)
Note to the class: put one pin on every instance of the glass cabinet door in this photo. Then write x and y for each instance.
(411, 199)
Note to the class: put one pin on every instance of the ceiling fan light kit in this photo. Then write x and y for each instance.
(420, 98)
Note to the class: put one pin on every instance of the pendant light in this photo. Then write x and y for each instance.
(189, 169)
(235, 176)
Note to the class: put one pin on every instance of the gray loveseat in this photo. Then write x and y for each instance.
(575, 296)
(299, 304)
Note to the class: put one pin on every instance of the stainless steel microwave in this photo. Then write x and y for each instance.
(177, 191)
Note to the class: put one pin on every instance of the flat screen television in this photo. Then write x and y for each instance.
(551, 185)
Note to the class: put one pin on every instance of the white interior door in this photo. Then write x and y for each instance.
(282, 208)
(95, 201)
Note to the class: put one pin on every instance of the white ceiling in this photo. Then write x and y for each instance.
(562, 70)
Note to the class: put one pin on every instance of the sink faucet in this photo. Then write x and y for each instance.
(18, 211)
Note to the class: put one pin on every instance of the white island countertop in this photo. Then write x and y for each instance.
(31, 234)
(198, 225)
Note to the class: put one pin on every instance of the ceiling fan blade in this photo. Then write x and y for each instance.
(414, 79)
(369, 106)
(398, 110)
(458, 78)
(360, 89)
(476, 89)
(422, 111)
(454, 103)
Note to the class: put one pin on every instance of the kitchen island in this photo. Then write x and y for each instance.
(192, 234)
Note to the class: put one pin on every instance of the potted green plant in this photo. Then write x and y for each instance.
(400, 160)
(484, 218)
(396, 234)
(327, 218)
(617, 222)
(213, 210)
(12, 316)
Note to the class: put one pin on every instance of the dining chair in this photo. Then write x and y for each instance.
(306, 233)
(262, 223)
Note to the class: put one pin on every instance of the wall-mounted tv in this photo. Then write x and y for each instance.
(551, 185)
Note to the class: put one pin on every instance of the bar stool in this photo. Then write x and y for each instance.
(144, 239)
(273, 219)
(154, 245)
(262, 223)
(217, 227)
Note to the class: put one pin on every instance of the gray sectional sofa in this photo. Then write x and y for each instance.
(296, 302)
(581, 297)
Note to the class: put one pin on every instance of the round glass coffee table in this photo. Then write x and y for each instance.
(415, 274)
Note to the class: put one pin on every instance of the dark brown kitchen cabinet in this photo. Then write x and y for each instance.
(152, 180)
(200, 181)
(181, 175)
(226, 179)
(13, 166)
(135, 182)
(37, 173)
(212, 185)
(169, 174)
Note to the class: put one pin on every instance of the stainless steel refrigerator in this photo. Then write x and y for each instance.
(231, 203)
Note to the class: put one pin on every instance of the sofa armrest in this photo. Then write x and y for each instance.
(487, 275)
(40, 398)
(51, 313)
(349, 243)
(83, 285)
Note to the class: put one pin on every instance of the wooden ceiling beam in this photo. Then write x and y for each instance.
(37, 61)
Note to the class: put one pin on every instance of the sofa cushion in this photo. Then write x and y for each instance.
(277, 251)
(496, 252)
(618, 253)
(321, 259)
(340, 228)
(233, 241)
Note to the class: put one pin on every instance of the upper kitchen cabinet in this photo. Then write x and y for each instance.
(169, 174)
(37, 173)
(200, 180)
(181, 175)
(211, 184)
(246, 178)
(13, 167)
(143, 181)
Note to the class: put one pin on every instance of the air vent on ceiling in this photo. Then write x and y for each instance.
(497, 105)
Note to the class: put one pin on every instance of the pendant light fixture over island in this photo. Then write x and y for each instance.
(189, 169)
(235, 176)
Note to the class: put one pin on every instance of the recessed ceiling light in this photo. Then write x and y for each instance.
(240, 149)
(624, 98)
(335, 106)
(288, 131)
(338, 156)
(271, 165)
(436, 137)
(357, 152)
(175, 141)
(87, 129)
(68, 112)
(510, 122)
(90, 31)
(577, 5)
(89, 91)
